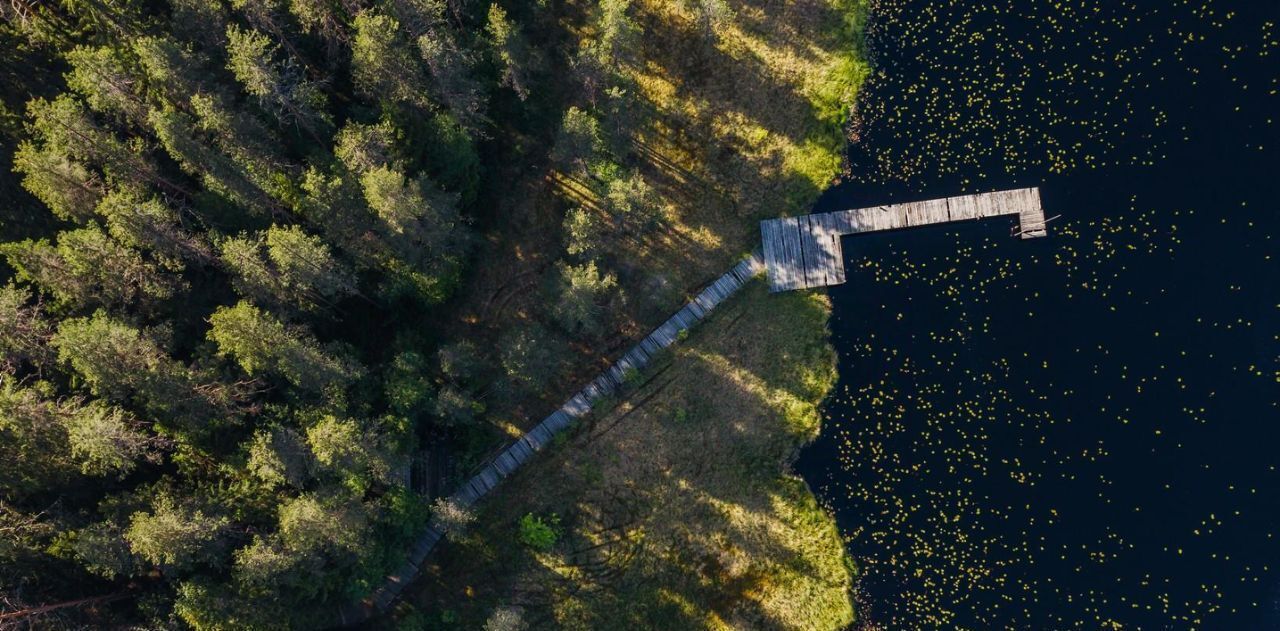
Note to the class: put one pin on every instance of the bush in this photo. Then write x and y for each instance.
(539, 534)
(580, 297)
(529, 357)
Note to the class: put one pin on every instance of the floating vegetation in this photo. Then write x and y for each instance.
(979, 90)
(1073, 432)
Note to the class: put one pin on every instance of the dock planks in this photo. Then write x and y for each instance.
(805, 252)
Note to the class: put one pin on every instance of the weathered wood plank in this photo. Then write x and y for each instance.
(810, 254)
(577, 405)
(837, 267)
(934, 211)
(833, 252)
(542, 434)
(769, 249)
(793, 258)
(800, 252)
(705, 299)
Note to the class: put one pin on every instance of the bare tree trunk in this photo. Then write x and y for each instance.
(10, 619)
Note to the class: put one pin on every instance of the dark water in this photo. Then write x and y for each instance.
(1078, 431)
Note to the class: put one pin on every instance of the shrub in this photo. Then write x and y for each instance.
(539, 534)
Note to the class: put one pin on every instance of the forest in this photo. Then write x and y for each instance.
(279, 273)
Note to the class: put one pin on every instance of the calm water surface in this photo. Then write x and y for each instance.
(1081, 431)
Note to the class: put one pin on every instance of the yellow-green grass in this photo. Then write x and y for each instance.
(674, 508)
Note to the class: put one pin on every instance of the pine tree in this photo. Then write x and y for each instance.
(512, 51)
(579, 296)
(65, 128)
(633, 205)
(219, 173)
(362, 148)
(280, 86)
(280, 456)
(69, 189)
(109, 86)
(263, 345)
(33, 443)
(578, 144)
(88, 268)
(617, 34)
(24, 331)
(382, 66)
(452, 76)
(105, 440)
(286, 266)
(176, 535)
(148, 224)
(418, 221)
(118, 362)
(334, 525)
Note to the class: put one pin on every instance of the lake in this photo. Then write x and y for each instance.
(1078, 431)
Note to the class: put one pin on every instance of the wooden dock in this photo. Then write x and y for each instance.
(804, 252)
(798, 252)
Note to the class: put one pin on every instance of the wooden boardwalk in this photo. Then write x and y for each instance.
(804, 252)
(536, 439)
(798, 252)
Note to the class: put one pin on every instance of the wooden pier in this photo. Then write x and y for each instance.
(804, 252)
(798, 252)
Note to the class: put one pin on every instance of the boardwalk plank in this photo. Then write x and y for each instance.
(801, 252)
(810, 254)
(791, 266)
(769, 249)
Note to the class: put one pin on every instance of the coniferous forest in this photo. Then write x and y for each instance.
(243, 242)
(210, 346)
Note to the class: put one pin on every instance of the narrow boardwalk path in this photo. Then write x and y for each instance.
(536, 439)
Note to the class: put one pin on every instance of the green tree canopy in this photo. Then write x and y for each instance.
(263, 345)
(285, 266)
(24, 332)
(88, 268)
(514, 55)
(176, 535)
(579, 296)
(105, 440)
(382, 65)
(280, 84)
(280, 456)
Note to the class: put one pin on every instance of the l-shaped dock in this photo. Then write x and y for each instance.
(804, 252)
